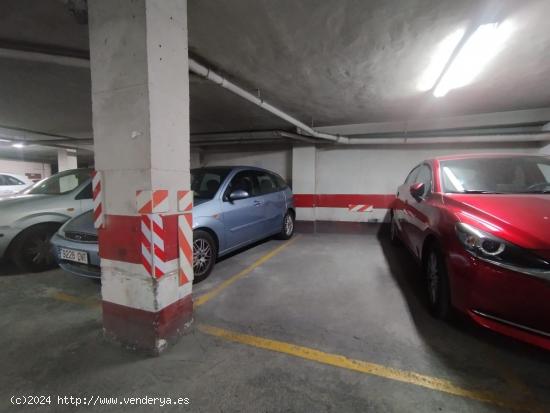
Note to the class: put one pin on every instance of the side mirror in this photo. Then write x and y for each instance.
(238, 194)
(417, 190)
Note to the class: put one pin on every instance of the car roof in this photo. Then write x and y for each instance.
(10, 174)
(235, 168)
(18, 176)
(485, 155)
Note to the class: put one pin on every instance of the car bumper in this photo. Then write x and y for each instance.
(90, 270)
(502, 300)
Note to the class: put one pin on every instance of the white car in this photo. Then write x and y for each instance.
(12, 184)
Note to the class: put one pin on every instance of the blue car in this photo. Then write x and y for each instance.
(234, 206)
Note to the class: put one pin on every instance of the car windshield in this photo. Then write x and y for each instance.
(205, 182)
(61, 183)
(506, 175)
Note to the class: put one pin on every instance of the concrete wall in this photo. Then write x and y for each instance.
(277, 160)
(24, 168)
(381, 169)
(355, 170)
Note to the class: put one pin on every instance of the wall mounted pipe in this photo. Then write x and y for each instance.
(201, 70)
(535, 137)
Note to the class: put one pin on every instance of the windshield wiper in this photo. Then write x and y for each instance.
(477, 191)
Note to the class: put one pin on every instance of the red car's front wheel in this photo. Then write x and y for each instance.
(437, 283)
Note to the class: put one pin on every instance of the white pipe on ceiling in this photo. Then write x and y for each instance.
(201, 70)
(535, 137)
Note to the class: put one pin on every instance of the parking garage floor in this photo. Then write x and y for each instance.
(319, 323)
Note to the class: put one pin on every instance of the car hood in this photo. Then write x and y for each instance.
(82, 223)
(85, 222)
(16, 200)
(523, 219)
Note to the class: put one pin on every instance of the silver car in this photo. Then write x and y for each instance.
(28, 220)
(234, 206)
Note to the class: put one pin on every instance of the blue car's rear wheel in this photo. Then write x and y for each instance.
(204, 254)
(288, 226)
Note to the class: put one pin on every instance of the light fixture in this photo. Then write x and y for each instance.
(18, 145)
(483, 45)
(440, 57)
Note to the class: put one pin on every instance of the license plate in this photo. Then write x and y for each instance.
(73, 255)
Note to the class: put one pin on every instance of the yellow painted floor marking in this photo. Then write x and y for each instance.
(217, 290)
(374, 369)
(68, 298)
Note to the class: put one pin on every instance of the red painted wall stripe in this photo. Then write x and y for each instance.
(381, 201)
(120, 240)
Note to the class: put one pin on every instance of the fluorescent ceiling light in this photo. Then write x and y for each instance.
(18, 145)
(439, 59)
(483, 45)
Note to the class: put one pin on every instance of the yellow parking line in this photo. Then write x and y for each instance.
(217, 290)
(379, 370)
(68, 298)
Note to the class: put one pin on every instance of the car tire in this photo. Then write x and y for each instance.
(437, 284)
(31, 251)
(205, 253)
(394, 231)
(287, 231)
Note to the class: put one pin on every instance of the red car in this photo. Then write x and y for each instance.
(480, 226)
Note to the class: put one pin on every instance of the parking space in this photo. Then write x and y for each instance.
(345, 330)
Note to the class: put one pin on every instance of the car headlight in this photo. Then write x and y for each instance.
(497, 251)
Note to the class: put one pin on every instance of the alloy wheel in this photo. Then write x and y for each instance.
(289, 225)
(202, 256)
(38, 250)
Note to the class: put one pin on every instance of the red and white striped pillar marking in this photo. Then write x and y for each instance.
(153, 245)
(360, 208)
(185, 248)
(185, 201)
(97, 191)
(185, 236)
(146, 244)
(149, 205)
(152, 202)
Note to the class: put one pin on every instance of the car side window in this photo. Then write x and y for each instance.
(3, 180)
(281, 183)
(267, 183)
(86, 193)
(545, 170)
(425, 176)
(246, 181)
(411, 178)
(12, 181)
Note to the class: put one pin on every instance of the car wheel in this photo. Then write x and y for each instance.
(288, 226)
(394, 231)
(437, 283)
(32, 250)
(204, 254)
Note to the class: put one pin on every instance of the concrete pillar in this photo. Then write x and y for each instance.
(140, 102)
(66, 159)
(303, 181)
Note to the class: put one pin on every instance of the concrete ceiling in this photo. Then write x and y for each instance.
(327, 63)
